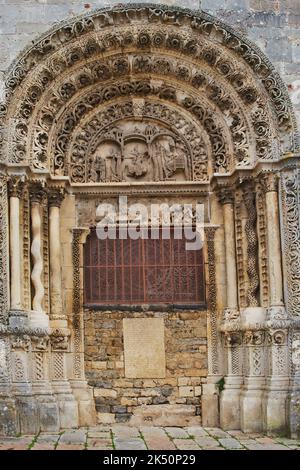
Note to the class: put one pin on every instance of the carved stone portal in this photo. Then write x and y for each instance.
(136, 151)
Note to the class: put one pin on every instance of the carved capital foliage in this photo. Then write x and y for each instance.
(254, 338)
(40, 343)
(55, 197)
(226, 196)
(233, 339)
(15, 186)
(37, 192)
(20, 343)
(59, 339)
(270, 182)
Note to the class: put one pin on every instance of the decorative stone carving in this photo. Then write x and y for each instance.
(212, 303)
(3, 251)
(290, 195)
(15, 186)
(36, 196)
(296, 352)
(22, 343)
(228, 84)
(138, 152)
(59, 339)
(251, 234)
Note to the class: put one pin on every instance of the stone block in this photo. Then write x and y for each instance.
(106, 418)
(144, 338)
(186, 391)
(105, 392)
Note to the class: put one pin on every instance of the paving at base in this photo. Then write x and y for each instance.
(121, 437)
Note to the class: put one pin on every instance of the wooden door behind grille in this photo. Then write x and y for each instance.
(143, 271)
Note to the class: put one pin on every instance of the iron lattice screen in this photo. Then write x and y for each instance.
(143, 271)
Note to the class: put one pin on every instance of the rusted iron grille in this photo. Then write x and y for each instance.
(143, 271)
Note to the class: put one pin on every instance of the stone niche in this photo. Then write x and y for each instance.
(128, 392)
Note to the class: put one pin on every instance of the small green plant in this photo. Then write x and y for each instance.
(220, 384)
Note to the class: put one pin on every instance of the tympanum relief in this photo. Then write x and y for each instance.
(137, 151)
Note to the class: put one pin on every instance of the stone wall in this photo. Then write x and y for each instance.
(273, 25)
(175, 399)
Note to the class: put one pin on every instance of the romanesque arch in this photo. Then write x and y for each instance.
(149, 82)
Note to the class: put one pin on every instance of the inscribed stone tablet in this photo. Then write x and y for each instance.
(144, 348)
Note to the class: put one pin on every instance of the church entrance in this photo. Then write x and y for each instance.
(173, 115)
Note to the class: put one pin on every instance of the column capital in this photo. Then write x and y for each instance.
(270, 182)
(55, 197)
(226, 195)
(15, 186)
(37, 192)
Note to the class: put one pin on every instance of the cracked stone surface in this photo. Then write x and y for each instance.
(122, 437)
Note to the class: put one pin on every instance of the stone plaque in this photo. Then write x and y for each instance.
(144, 348)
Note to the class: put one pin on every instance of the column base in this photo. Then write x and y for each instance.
(27, 412)
(86, 404)
(67, 405)
(275, 406)
(294, 410)
(251, 410)
(38, 320)
(230, 408)
(48, 413)
(9, 425)
(210, 404)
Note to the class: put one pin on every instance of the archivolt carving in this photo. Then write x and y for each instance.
(244, 82)
(290, 194)
(132, 65)
(213, 126)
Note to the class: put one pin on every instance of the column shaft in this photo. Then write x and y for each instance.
(15, 253)
(36, 226)
(230, 255)
(274, 249)
(55, 262)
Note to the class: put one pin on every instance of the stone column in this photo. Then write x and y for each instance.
(230, 396)
(82, 392)
(60, 333)
(15, 192)
(58, 319)
(253, 324)
(210, 395)
(277, 319)
(37, 317)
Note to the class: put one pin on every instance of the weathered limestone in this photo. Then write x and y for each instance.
(96, 127)
(278, 322)
(253, 319)
(15, 244)
(58, 319)
(37, 317)
(230, 396)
